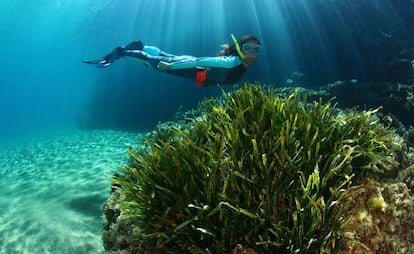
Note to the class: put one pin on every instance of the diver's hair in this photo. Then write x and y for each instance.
(230, 49)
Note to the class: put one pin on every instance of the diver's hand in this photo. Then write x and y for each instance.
(164, 66)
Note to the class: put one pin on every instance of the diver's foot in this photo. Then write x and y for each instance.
(108, 59)
(135, 45)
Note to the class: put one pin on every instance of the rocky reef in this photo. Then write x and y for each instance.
(266, 170)
(383, 218)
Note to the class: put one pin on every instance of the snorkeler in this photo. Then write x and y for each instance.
(226, 68)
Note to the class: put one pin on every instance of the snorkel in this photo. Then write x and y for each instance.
(236, 44)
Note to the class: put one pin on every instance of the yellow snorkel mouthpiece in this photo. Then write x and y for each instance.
(236, 43)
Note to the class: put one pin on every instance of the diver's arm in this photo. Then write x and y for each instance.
(226, 62)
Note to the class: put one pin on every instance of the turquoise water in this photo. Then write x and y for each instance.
(63, 124)
(44, 85)
(52, 191)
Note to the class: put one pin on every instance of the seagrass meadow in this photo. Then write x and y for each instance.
(251, 172)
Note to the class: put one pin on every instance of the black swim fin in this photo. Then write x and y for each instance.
(108, 59)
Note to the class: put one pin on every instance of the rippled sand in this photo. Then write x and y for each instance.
(52, 191)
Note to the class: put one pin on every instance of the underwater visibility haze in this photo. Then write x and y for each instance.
(65, 125)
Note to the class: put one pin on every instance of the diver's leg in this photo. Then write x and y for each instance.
(147, 58)
(153, 59)
(157, 52)
(163, 53)
(142, 56)
(148, 55)
(176, 58)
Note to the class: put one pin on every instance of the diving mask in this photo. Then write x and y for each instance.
(251, 49)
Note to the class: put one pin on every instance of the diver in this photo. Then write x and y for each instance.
(226, 68)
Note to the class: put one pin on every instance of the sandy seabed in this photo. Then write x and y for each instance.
(52, 191)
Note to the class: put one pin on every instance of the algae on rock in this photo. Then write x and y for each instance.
(272, 173)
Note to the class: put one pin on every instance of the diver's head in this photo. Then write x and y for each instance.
(247, 48)
(250, 49)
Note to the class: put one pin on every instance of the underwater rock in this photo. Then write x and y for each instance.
(412, 72)
(394, 98)
(409, 137)
(400, 70)
(401, 66)
(389, 229)
(119, 234)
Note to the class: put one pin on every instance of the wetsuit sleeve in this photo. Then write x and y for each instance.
(226, 62)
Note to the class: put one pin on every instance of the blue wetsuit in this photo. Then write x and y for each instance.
(218, 70)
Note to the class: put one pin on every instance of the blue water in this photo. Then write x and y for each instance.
(44, 85)
(45, 89)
